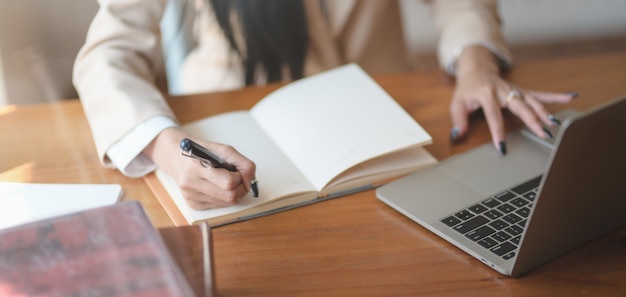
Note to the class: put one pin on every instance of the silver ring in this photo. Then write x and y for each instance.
(513, 94)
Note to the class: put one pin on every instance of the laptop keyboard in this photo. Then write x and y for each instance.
(497, 222)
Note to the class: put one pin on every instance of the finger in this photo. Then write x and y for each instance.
(522, 110)
(539, 109)
(200, 201)
(222, 179)
(493, 115)
(460, 120)
(202, 194)
(247, 171)
(549, 97)
(229, 154)
(211, 196)
(213, 185)
(245, 167)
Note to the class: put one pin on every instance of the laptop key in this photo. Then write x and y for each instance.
(451, 221)
(498, 224)
(506, 208)
(488, 243)
(511, 218)
(527, 186)
(464, 215)
(508, 256)
(501, 236)
(471, 224)
(519, 202)
(479, 233)
(503, 249)
(507, 212)
(522, 223)
(477, 208)
(514, 230)
(491, 202)
(493, 214)
(505, 196)
(530, 195)
(523, 212)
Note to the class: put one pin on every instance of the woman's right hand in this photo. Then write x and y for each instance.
(202, 187)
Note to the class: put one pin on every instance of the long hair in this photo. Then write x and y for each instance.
(274, 31)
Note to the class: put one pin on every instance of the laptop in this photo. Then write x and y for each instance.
(541, 200)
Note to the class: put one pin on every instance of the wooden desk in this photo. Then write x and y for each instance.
(354, 245)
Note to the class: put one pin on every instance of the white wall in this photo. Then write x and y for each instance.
(548, 21)
(528, 22)
(38, 42)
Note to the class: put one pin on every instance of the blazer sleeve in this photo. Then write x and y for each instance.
(116, 71)
(463, 23)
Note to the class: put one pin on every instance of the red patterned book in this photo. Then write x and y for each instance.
(107, 251)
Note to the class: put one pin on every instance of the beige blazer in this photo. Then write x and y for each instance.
(117, 71)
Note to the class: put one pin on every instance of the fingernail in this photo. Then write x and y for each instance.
(502, 147)
(554, 120)
(454, 134)
(573, 94)
(547, 132)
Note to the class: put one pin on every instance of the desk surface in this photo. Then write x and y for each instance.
(354, 245)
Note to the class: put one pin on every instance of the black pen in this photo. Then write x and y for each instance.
(208, 159)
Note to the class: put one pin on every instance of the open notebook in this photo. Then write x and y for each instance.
(317, 138)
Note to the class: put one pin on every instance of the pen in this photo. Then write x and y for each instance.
(208, 159)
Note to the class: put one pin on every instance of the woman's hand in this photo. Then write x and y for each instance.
(202, 187)
(479, 85)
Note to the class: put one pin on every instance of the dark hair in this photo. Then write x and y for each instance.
(275, 34)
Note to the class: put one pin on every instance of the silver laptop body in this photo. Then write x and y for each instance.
(581, 193)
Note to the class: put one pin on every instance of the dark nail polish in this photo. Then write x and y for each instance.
(573, 94)
(454, 134)
(502, 148)
(554, 120)
(547, 132)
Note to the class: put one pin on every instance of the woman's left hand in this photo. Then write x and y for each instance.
(479, 85)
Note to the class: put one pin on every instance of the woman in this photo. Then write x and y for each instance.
(243, 42)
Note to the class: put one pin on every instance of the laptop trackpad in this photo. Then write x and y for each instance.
(486, 172)
(427, 195)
